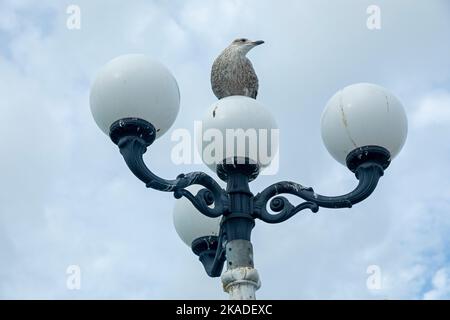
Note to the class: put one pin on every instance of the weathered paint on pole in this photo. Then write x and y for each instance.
(241, 280)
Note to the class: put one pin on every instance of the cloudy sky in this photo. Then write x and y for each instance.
(67, 198)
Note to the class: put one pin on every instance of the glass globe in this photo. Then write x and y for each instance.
(238, 127)
(189, 223)
(135, 86)
(363, 114)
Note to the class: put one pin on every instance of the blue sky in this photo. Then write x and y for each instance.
(67, 198)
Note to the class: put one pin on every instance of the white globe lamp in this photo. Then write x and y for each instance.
(361, 115)
(238, 127)
(189, 223)
(135, 86)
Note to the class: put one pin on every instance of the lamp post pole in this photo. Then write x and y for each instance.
(134, 114)
(241, 280)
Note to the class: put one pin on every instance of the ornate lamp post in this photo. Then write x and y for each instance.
(135, 100)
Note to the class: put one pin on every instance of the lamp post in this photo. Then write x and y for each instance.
(135, 100)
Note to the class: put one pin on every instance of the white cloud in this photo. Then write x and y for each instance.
(441, 286)
(433, 109)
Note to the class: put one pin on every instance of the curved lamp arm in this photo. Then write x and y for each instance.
(133, 136)
(368, 174)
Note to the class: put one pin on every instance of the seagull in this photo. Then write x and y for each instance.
(232, 72)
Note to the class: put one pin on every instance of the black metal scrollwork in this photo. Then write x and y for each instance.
(368, 163)
(133, 136)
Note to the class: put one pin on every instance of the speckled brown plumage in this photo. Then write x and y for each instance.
(232, 72)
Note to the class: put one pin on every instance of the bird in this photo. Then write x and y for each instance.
(232, 72)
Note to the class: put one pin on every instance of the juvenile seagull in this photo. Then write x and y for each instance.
(232, 72)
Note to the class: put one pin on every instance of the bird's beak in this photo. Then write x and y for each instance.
(257, 43)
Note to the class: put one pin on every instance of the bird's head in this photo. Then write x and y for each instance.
(244, 45)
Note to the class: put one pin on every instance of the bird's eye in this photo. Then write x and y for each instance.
(242, 40)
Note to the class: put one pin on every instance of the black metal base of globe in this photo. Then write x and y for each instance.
(210, 255)
(243, 166)
(366, 154)
(204, 244)
(132, 127)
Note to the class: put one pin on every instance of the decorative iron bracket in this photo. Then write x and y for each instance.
(237, 204)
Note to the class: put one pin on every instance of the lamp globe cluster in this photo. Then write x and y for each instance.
(135, 100)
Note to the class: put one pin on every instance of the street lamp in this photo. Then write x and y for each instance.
(135, 100)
